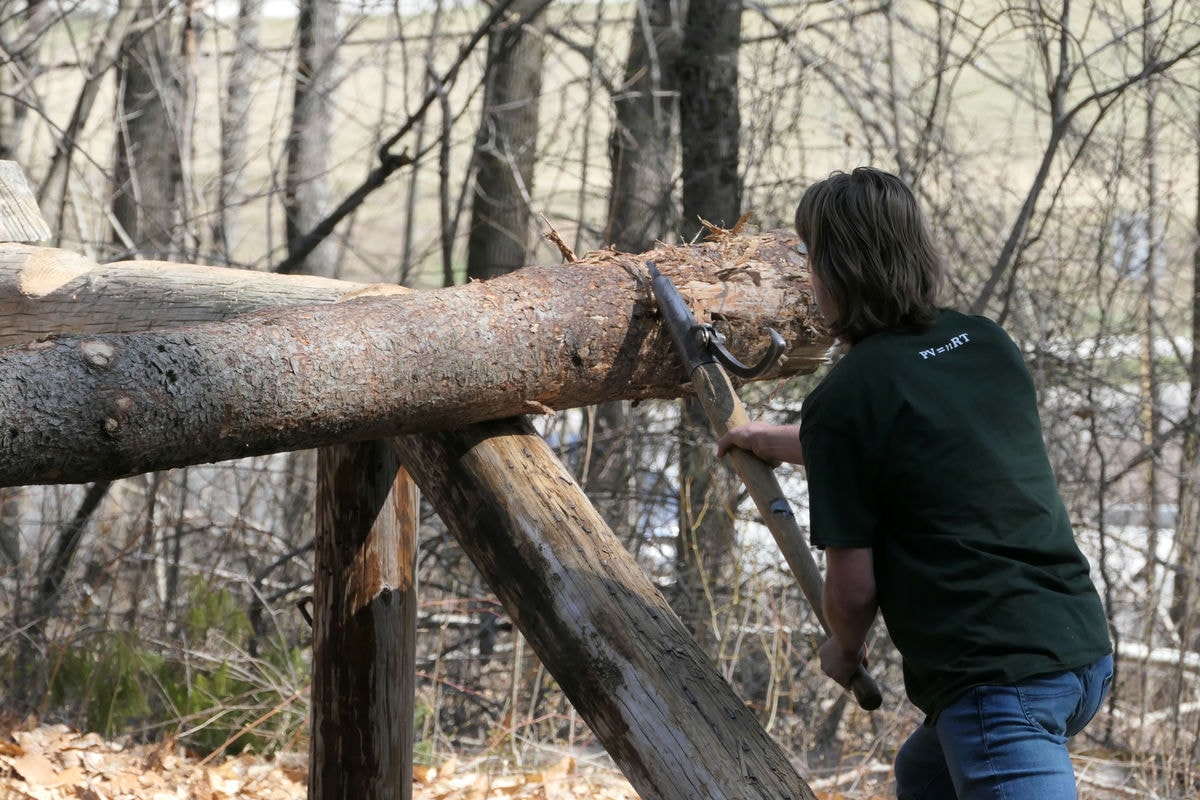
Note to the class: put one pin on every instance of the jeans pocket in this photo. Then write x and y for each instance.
(1095, 680)
(1050, 701)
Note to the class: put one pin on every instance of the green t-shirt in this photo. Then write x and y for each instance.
(927, 447)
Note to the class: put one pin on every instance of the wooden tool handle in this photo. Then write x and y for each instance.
(725, 411)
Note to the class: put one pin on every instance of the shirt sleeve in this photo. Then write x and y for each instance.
(842, 461)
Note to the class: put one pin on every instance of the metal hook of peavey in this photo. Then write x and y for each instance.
(715, 342)
(704, 343)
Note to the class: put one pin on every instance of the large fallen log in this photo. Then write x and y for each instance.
(78, 408)
(628, 665)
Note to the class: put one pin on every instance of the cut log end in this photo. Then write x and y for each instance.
(20, 218)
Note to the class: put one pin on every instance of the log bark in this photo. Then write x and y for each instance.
(82, 408)
(673, 725)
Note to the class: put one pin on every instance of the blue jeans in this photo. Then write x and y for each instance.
(1004, 742)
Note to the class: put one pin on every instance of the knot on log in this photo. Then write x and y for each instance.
(97, 352)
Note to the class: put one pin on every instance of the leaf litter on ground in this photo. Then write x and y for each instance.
(54, 762)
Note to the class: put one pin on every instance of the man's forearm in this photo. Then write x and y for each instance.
(774, 444)
(849, 596)
(849, 624)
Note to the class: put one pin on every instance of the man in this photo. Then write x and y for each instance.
(934, 500)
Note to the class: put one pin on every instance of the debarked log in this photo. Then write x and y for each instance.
(77, 408)
(48, 291)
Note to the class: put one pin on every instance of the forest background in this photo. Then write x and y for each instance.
(1055, 146)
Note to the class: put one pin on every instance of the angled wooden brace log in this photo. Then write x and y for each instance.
(644, 686)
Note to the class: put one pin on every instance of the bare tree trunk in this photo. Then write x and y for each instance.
(643, 155)
(505, 153)
(364, 625)
(1151, 390)
(76, 409)
(642, 147)
(506, 146)
(1187, 576)
(709, 119)
(235, 120)
(658, 705)
(709, 133)
(20, 682)
(1154, 572)
(148, 158)
(609, 473)
(11, 75)
(186, 71)
(311, 135)
(20, 35)
(67, 544)
(52, 194)
(10, 526)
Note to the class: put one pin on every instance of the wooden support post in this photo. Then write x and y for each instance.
(364, 625)
(624, 659)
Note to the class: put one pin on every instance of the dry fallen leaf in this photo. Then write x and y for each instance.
(34, 768)
(424, 774)
(555, 772)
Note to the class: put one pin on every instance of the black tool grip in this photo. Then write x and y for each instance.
(865, 690)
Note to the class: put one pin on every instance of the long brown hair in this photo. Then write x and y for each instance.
(869, 244)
